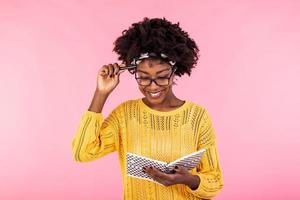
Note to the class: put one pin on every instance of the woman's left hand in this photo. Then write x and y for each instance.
(181, 176)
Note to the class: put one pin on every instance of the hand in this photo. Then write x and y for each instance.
(108, 77)
(181, 176)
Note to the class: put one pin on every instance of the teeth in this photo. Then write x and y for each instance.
(155, 94)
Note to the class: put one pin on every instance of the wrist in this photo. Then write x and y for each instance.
(102, 93)
(193, 182)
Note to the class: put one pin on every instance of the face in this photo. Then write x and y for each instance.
(155, 94)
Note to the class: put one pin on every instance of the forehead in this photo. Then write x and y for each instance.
(153, 66)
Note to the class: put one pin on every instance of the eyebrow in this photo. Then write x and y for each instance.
(156, 72)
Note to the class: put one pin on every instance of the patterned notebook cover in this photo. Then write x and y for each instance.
(135, 164)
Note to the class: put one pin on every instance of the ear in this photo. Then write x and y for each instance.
(173, 79)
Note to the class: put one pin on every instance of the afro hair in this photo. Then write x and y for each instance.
(158, 36)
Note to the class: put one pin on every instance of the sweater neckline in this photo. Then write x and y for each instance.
(151, 110)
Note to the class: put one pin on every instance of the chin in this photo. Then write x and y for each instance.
(155, 99)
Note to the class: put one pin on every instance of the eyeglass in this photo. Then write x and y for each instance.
(131, 68)
(160, 81)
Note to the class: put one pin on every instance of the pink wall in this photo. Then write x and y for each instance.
(247, 77)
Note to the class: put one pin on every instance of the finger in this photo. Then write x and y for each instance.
(111, 70)
(180, 169)
(104, 70)
(122, 65)
(163, 178)
(161, 181)
(150, 172)
(121, 71)
(177, 168)
(159, 174)
(116, 68)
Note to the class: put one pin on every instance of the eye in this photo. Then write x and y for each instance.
(165, 76)
(143, 77)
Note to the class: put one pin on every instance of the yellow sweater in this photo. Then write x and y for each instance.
(135, 127)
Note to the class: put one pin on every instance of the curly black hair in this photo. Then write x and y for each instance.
(158, 36)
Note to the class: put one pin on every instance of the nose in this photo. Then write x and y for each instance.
(153, 86)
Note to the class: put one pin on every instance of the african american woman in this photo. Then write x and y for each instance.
(160, 125)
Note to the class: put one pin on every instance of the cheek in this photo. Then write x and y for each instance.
(142, 89)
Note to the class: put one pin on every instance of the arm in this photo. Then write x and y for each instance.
(209, 170)
(96, 136)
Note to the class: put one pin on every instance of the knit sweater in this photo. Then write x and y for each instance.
(135, 127)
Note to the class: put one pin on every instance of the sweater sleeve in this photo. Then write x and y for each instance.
(95, 136)
(209, 170)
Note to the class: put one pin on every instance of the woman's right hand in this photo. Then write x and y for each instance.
(108, 77)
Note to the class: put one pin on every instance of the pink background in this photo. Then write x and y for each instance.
(247, 78)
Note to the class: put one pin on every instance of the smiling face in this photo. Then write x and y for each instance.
(160, 71)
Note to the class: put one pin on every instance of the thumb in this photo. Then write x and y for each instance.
(121, 71)
(176, 169)
(122, 65)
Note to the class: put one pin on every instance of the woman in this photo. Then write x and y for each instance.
(159, 126)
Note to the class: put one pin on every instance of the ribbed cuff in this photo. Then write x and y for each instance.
(98, 116)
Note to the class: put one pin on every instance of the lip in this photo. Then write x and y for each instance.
(155, 97)
(155, 91)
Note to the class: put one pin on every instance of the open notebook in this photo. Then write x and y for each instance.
(135, 164)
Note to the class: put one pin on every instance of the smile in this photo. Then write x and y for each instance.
(156, 94)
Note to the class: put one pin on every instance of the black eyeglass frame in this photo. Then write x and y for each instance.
(131, 68)
(154, 79)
